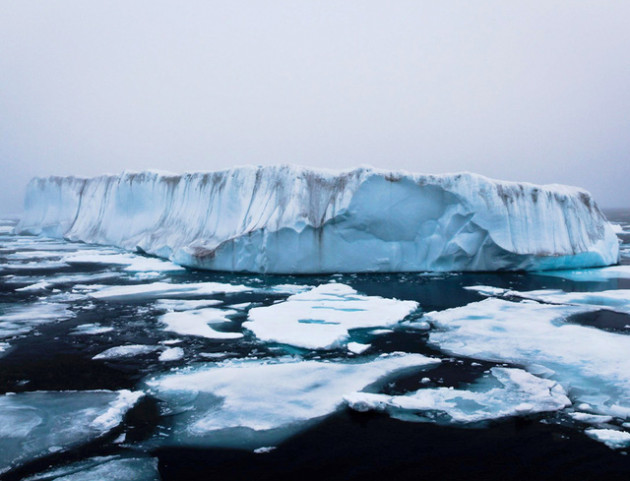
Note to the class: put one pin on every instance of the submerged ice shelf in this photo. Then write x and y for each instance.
(284, 219)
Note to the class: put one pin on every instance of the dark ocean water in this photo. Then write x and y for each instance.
(43, 352)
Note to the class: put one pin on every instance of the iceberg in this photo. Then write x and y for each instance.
(289, 219)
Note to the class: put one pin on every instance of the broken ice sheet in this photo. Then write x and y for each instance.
(157, 290)
(196, 323)
(19, 319)
(616, 300)
(104, 468)
(253, 403)
(127, 351)
(592, 365)
(34, 424)
(322, 317)
(131, 262)
(504, 392)
(612, 438)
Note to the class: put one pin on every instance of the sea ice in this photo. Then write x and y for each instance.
(104, 468)
(157, 290)
(20, 319)
(610, 437)
(357, 347)
(591, 364)
(171, 354)
(132, 263)
(505, 392)
(616, 299)
(322, 317)
(195, 323)
(90, 329)
(126, 351)
(33, 424)
(184, 305)
(254, 403)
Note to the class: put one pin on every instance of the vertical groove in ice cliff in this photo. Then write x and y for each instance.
(291, 219)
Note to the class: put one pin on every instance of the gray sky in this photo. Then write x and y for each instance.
(536, 91)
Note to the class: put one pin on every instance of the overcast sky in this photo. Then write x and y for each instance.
(535, 91)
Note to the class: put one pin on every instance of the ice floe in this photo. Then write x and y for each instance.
(34, 424)
(195, 323)
(127, 351)
(157, 290)
(90, 329)
(132, 263)
(616, 299)
(504, 392)
(184, 305)
(322, 317)
(20, 319)
(254, 403)
(591, 364)
(171, 354)
(610, 437)
(357, 347)
(104, 468)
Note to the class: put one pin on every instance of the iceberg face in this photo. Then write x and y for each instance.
(284, 219)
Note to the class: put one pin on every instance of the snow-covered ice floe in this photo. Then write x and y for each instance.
(131, 350)
(157, 290)
(504, 392)
(91, 330)
(130, 262)
(35, 424)
(614, 300)
(289, 219)
(196, 323)
(612, 438)
(104, 468)
(322, 317)
(20, 319)
(254, 403)
(592, 365)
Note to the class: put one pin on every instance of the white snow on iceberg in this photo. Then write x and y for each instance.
(34, 424)
(288, 219)
(253, 403)
(322, 317)
(505, 392)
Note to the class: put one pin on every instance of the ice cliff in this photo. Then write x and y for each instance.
(287, 219)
